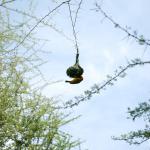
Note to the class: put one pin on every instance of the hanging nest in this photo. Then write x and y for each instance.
(75, 71)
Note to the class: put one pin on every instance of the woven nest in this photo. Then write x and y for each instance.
(75, 71)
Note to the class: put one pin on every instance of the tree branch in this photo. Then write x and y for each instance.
(37, 19)
(76, 15)
(140, 39)
(6, 2)
(134, 137)
(34, 27)
(98, 87)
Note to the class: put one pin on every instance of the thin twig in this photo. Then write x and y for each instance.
(117, 25)
(34, 27)
(6, 2)
(76, 15)
(37, 19)
(130, 140)
(73, 28)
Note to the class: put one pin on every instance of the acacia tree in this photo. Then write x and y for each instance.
(28, 120)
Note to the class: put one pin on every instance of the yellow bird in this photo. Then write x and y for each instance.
(75, 80)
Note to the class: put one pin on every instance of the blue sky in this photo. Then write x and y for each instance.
(102, 50)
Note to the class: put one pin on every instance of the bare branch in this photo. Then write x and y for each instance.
(35, 26)
(76, 15)
(140, 39)
(73, 28)
(37, 19)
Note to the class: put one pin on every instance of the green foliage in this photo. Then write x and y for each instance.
(143, 110)
(139, 136)
(141, 40)
(28, 120)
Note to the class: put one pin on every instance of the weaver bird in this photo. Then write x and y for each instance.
(75, 80)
